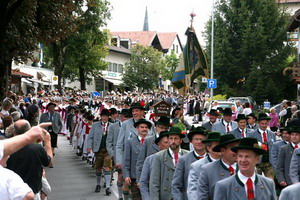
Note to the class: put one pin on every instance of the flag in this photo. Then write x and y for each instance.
(195, 60)
(193, 63)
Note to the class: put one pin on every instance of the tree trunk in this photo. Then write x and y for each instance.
(82, 78)
(59, 62)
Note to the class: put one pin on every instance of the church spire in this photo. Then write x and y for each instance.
(146, 25)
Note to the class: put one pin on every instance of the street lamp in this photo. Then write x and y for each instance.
(212, 49)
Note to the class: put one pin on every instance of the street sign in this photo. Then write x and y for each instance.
(204, 80)
(54, 80)
(212, 83)
(267, 105)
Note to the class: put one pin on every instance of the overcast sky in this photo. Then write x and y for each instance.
(163, 15)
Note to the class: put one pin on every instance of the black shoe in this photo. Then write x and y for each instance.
(107, 191)
(120, 198)
(98, 188)
(104, 185)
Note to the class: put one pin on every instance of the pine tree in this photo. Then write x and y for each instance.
(250, 38)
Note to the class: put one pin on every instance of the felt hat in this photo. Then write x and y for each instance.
(113, 111)
(137, 106)
(105, 112)
(227, 111)
(175, 131)
(50, 104)
(212, 137)
(124, 112)
(282, 129)
(161, 135)
(198, 130)
(263, 116)
(293, 126)
(213, 112)
(241, 117)
(225, 140)
(143, 121)
(249, 144)
(90, 117)
(252, 115)
(163, 120)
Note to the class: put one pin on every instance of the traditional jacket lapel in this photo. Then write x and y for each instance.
(239, 188)
(168, 160)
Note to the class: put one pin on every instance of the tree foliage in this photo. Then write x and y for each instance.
(25, 23)
(144, 68)
(250, 48)
(80, 55)
(170, 62)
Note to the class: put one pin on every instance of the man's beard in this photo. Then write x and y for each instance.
(174, 146)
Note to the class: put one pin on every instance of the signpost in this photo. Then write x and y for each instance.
(212, 83)
(162, 108)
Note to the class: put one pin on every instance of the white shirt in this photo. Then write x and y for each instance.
(233, 165)
(197, 155)
(262, 134)
(1, 149)
(247, 111)
(244, 131)
(294, 145)
(172, 155)
(12, 187)
(244, 180)
(225, 123)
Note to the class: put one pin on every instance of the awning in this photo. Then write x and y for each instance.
(114, 81)
(24, 80)
(39, 81)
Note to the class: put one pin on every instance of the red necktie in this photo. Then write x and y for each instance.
(243, 133)
(104, 126)
(231, 170)
(176, 157)
(265, 137)
(250, 190)
(227, 128)
(142, 140)
(200, 157)
(296, 146)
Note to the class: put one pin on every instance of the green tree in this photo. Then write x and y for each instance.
(80, 55)
(250, 41)
(25, 23)
(170, 62)
(144, 68)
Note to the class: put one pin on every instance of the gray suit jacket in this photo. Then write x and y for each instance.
(180, 178)
(295, 167)
(233, 189)
(149, 147)
(56, 121)
(112, 138)
(210, 174)
(207, 125)
(238, 134)
(271, 140)
(132, 149)
(283, 164)
(127, 131)
(194, 176)
(275, 152)
(145, 177)
(253, 128)
(161, 175)
(220, 127)
(95, 136)
(291, 192)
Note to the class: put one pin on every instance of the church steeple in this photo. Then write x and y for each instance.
(146, 25)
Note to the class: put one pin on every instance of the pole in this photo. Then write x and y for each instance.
(212, 50)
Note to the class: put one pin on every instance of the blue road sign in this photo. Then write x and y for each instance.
(212, 83)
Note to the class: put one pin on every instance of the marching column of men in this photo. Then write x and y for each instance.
(229, 159)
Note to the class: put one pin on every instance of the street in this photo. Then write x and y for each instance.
(73, 179)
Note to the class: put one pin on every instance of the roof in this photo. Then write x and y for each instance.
(144, 38)
(295, 21)
(166, 39)
(288, 1)
(119, 49)
(16, 72)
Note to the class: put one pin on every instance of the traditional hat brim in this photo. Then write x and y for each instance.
(256, 150)
(219, 146)
(142, 122)
(210, 140)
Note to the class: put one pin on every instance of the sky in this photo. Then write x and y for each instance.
(163, 16)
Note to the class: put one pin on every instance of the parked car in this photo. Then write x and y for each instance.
(218, 104)
(243, 100)
(277, 108)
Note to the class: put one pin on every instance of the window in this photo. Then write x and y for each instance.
(120, 69)
(110, 67)
(114, 42)
(115, 67)
(176, 48)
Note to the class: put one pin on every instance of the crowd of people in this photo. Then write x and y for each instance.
(237, 154)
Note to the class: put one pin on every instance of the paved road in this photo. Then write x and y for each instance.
(73, 179)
